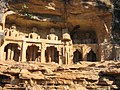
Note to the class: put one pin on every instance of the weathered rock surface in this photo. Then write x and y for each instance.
(51, 76)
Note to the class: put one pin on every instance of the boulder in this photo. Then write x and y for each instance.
(25, 74)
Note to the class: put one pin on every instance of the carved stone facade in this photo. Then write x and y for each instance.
(63, 50)
(84, 36)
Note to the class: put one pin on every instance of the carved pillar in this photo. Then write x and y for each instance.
(1, 53)
(1, 43)
(65, 55)
(43, 53)
(71, 55)
(66, 39)
(23, 51)
(68, 55)
(49, 54)
(52, 54)
(9, 53)
(4, 56)
(12, 52)
(60, 54)
(1, 28)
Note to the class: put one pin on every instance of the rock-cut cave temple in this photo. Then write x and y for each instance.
(60, 31)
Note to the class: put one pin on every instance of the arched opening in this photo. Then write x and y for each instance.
(10, 33)
(6, 33)
(52, 55)
(31, 36)
(91, 56)
(83, 37)
(33, 53)
(77, 57)
(12, 52)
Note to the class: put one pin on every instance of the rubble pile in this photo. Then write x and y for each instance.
(52, 76)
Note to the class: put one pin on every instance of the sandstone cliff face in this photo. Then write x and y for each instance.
(51, 76)
(73, 11)
(90, 15)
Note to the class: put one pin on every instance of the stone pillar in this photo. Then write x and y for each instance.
(68, 59)
(9, 53)
(68, 62)
(1, 28)
(49, 54)
(1, 53)
(60, 54)
(23, 51)
(65, 54)
(43, 53)
(1, 43)
(4, 56)
(71, 55)
(12, 52)
(66, 39)
(52, 54)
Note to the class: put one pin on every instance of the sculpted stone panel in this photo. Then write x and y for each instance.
(77, 34)
(83, 37)
(34, 34)
(13, 32)
(52, 35)
(67, 39)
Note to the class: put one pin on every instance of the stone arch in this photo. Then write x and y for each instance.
(31, 36)
(6, 33)
(91, 56)
(77, 56)
(10, 33)
(52, 54)
(12, 52)
(33, 53)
